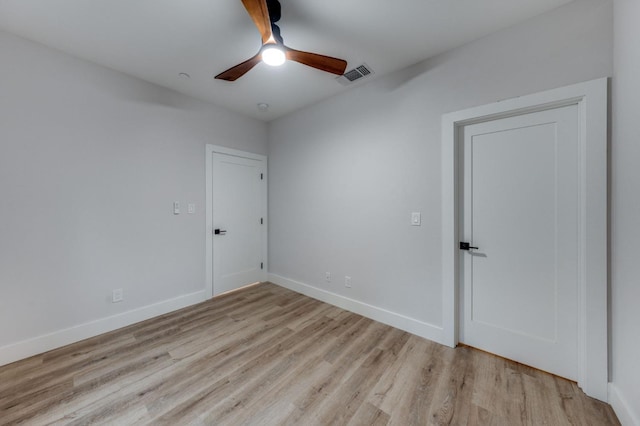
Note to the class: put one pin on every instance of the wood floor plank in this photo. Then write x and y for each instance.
(349, 361)
(407, 390)
(18, 371)
(404, 376)
(345, 339)
(299, 379)
(342, 405)
(265, 355)
(499, 388)
(198, 376)
(478, 416)
(278, 406)
(369, 415)
(265, 381)
(219, 397)
(454, 390)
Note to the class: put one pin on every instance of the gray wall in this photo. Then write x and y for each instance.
(91, 161)
(625, 209)
(346, 173)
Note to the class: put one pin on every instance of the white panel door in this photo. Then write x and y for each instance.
(238, 211)
(520, 208)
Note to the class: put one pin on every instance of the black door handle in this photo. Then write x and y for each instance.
(467, 246)
(219, 231)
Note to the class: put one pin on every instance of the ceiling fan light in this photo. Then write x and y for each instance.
(273, 56)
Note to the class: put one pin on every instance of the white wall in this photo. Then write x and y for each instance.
(346, 173)
(625, 209)
(91, 161)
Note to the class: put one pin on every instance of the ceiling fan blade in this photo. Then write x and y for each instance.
(259, 12)
(234, 73)
(321, 62)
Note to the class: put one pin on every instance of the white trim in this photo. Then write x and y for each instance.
(37, 345)
(209, 150)
(235, 152)
(622, 407)
(411, 325)
(591, 98)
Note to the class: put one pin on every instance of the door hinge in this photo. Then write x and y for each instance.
(261, 265)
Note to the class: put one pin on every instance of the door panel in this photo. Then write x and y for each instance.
(237, 209)
(520, 207)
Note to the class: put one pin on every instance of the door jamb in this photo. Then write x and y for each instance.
(591, 99)
(209, 150)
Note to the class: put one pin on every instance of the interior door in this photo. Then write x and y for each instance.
(520, 208)
(238, 220)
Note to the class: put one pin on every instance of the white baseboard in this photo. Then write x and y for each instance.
(37, 345)
(411, 325)
(622, 408)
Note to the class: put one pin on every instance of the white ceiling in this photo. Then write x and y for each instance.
(157, 39)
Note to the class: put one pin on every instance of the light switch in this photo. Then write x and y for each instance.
(176, 207)
(416, 220)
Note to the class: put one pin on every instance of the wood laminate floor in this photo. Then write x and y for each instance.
(268, 356)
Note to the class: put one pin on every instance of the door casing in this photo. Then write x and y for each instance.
(591, 99)
(209, 150)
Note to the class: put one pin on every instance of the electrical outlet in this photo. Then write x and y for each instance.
(191, 208)
(176, 207)
(347, 282)
(117, 295)
(327, 277)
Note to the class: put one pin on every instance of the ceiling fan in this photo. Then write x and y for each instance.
(265, 13)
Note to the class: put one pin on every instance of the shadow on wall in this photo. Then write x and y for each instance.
(130, 89)
(398, 79)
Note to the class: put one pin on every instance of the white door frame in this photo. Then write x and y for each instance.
(591, 99)
(209, 150)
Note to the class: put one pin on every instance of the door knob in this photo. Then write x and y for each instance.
(219, 231)
(467, 246)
